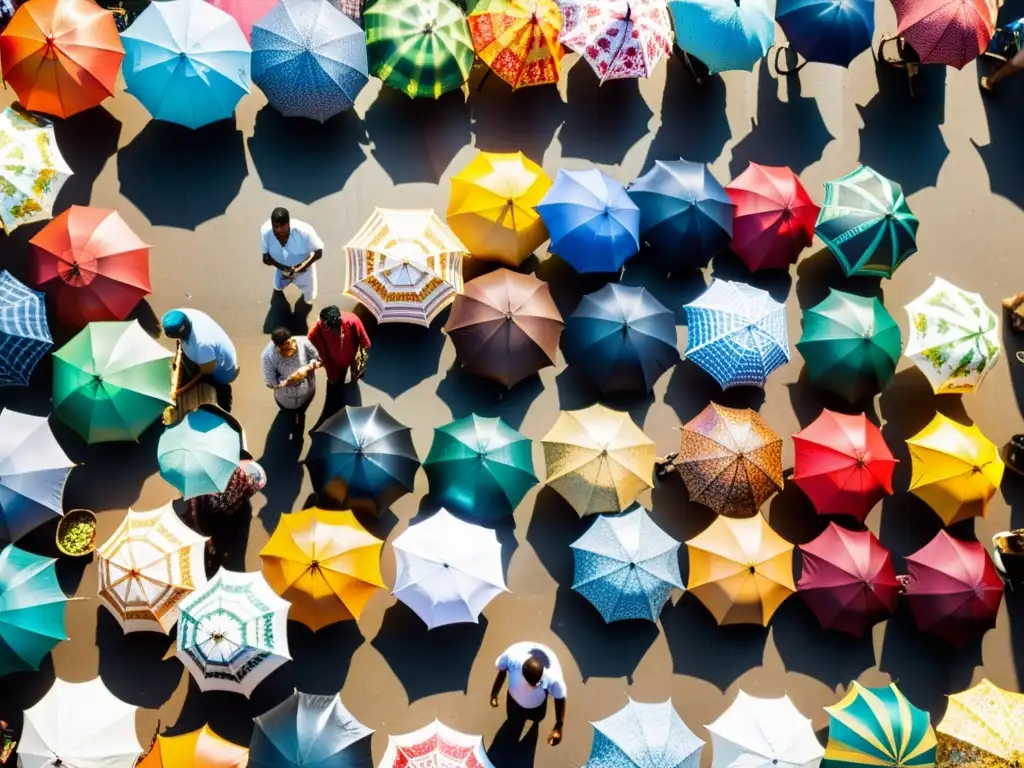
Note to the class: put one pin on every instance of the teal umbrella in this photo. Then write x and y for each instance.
(199, 454)
(480, 467)
(31, 610)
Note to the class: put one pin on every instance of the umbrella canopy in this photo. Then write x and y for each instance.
(644, 736)
(405, 266)
(480, 467)
(309, 59)
(24, 332)
(626, 566)
(233, 633)
(61, 56)
(737, 334)
(199, 454)
(843, 464)
(741, 570)
(878, 727)
(361, 455)
(196, 749)
(598, 459)
(954, 337)
(32, 608)
(447, 570)
(955, 470)
(307, 731)
(724, 34)
(245, 12)
(953, 32)
(32, 171)
(420, 47)
(867, 223)
(730, 460)
(518, 40)
(763, 733)
(593, 224)
(435, 744)
(618, 39)
(953, 591)
(491, 208)
(827, 31)
(621, 338)
(111, 381)
(850, 345)
(983, 725)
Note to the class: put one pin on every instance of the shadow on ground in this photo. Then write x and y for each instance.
(617, 106)
(833, 658)
(403, 354)
(86, 140)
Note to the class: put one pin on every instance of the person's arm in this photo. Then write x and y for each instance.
(270, 372)
(499, 681)
(364, 338)
(314, 257)
(556, 733)
(267, 258)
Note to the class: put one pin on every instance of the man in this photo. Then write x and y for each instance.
(533, 672)
(340, 338)
(289, 367)
(206, 350)
(293, 248)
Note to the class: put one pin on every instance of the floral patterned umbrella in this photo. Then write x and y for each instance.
(518, 40)
(32, 170)
(618, 38)
(434, 746)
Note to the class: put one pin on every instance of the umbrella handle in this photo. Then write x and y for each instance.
(779, 50)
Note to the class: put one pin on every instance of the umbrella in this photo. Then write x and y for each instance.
(32, 607)
(827, 31)
(111, 381)
(843, 464)
(405, 266)
(233, 633)
(953, 589)
(307, 731)
(741, 570)
(518, 40)
(33, 471)
(983, 726)
(850, 345)
(505, 326)
(848, 580)
(774, 217)
(61, 56)
(644, 735)
(199, 454)
(149, 565)
(435, 744)
(759, 732)
(730, 460)
(187, 62)
(953, 32)
(621, 338)
(491, 208)
(326, 564)
(309, 59)
(245, 12)
(420, 47)
(737, 334)
(362, 455)
(954, 337)
(24, 332)
(878, 727)
(593, 224)
(955, 470)
(196, 749)
(620, 38)
(626, 566)
(91, 263)
(598, 459)
(724, 34)
(446, 570)
(867, 223)
(480, 467)
(684, 212)
(32, 171)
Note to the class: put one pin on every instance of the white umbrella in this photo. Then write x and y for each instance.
(79, 725)
(448, 570)
(763, 733)
(435, 746)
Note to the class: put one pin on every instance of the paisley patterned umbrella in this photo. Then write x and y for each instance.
(518, 40)
(32, 170)
(618, 38)
(878, 727)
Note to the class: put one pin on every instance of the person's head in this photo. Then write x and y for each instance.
(533, 671)
(282, 339)
(281, 222)
(331, 317)
(176, 324)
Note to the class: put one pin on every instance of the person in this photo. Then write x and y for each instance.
(906, 58)
(533, 672)
(292, 247)
(207, 352)
(1006, 45)
(341, 340)
(289, 365)
(215, 514)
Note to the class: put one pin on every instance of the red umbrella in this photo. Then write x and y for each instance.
(848, 580)
(953, 589)
(953, 32)
(774, 218)
(92, 264)
(245, 12)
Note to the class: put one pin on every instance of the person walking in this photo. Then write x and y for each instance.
(341, 340)
(289, 366)
(207, 352)
(533, 672)
(293, 248)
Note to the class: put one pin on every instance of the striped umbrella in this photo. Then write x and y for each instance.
(518, 40)
(644, 735)
(32, 171)
(32, 608)
(24, 332)
(878, 727)
(618, 38)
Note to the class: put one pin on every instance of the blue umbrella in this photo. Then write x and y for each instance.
(592, 222)
(724, 34)
(737, 334)
(24, 333)
(644, 736)
(621, 338)
(626, 566)
(311, 732)
(827, 31)
(199, 454)
(186, 61)
(309, 59)
(684, 212)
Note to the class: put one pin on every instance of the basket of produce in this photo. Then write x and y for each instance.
(76, 533)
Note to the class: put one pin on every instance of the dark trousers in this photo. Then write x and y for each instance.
(518, 715)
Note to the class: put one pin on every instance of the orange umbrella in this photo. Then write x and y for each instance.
(61, 56)
(518, 40)
(197, 749)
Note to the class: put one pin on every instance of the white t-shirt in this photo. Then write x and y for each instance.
(526, 696)
(302, 241)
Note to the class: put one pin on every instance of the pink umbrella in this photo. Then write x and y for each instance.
(245, 12)
(952, 32)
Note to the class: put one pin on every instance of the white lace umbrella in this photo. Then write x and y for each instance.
(763, 733)
(435, 746)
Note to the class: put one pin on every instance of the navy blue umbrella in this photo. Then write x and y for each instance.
(827, 31)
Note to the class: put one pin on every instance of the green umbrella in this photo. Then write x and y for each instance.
(111, 381)
(851, 345)
(31, 609)
(199, 454)
(420, 47)
(480, 467)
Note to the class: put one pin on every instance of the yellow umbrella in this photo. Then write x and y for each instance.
(741, 570)
(491, 209)
(324, 563)
(955, 469)
(983, 727)
(598, 459)
(197, 749)
(518, 40)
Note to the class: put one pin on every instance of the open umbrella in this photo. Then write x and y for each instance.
(737, 334)
(850, 344)
(32, 608)
(618, 39)
(827, 31)
(759, 732)
(245, 12)
(435, 744)
(199, 454)
(741, 570)
(32, 171)
(196, 749)
(307, 731)
(24, 332)
(598, 459)
(594, 226)
(878, 727)
(724, 34)
(983, 726)
(621, 338)
(644, 735)
(518, 40)
(954, 337)
(953, 32)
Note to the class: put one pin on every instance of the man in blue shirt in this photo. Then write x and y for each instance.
(206, 350)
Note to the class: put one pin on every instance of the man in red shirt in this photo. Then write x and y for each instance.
(339, 337)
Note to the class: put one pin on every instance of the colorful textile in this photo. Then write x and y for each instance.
(518, 40)
(24, 333)
(618, 38)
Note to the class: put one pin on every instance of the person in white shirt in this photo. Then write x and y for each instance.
(533, 672)
(292, 247)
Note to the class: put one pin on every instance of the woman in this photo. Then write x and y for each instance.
(289, 364)
(214, 514)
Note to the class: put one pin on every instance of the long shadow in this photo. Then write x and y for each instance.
(690, 390)
(566, 284)
(1003, 154)
(86, 140)
(819, 272)
(229, 714)
(808, 401)
(675, 514)
(576, 392)
(23, 690)
(466, 394)
(280, 459)
(321, 660)
(403, 355)
(524, 121)
(146, 317)
(1013, 342)
(833, 658)
(673, 291)
(510, 746)
(617, 107)
(132, 665)
(281, 314)
(777, 282)
(554, 525)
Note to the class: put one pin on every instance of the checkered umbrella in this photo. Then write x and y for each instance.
(32, 170)
(435, 745)
(24, 333)
(618, 38)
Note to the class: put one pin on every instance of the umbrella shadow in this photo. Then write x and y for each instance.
(466, 394)
(675, 514)
(321, 660)
(617, 106)
(146, 317)
(524, 121)
(777, 282)
(673, 291)
(230, 715)
(819, 272)
(133, 666)
(1013, 342)
(404, 355)
(87, 141)
(567, 286)
(1003, 156)
(809, 401)
(792, 516)
(691, 390)
(280, 459)
(23, 690)
(576, 392)
(554, 525)
(1014, 612)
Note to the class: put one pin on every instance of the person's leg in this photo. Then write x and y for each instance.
(1008, 69)
(307, 283)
